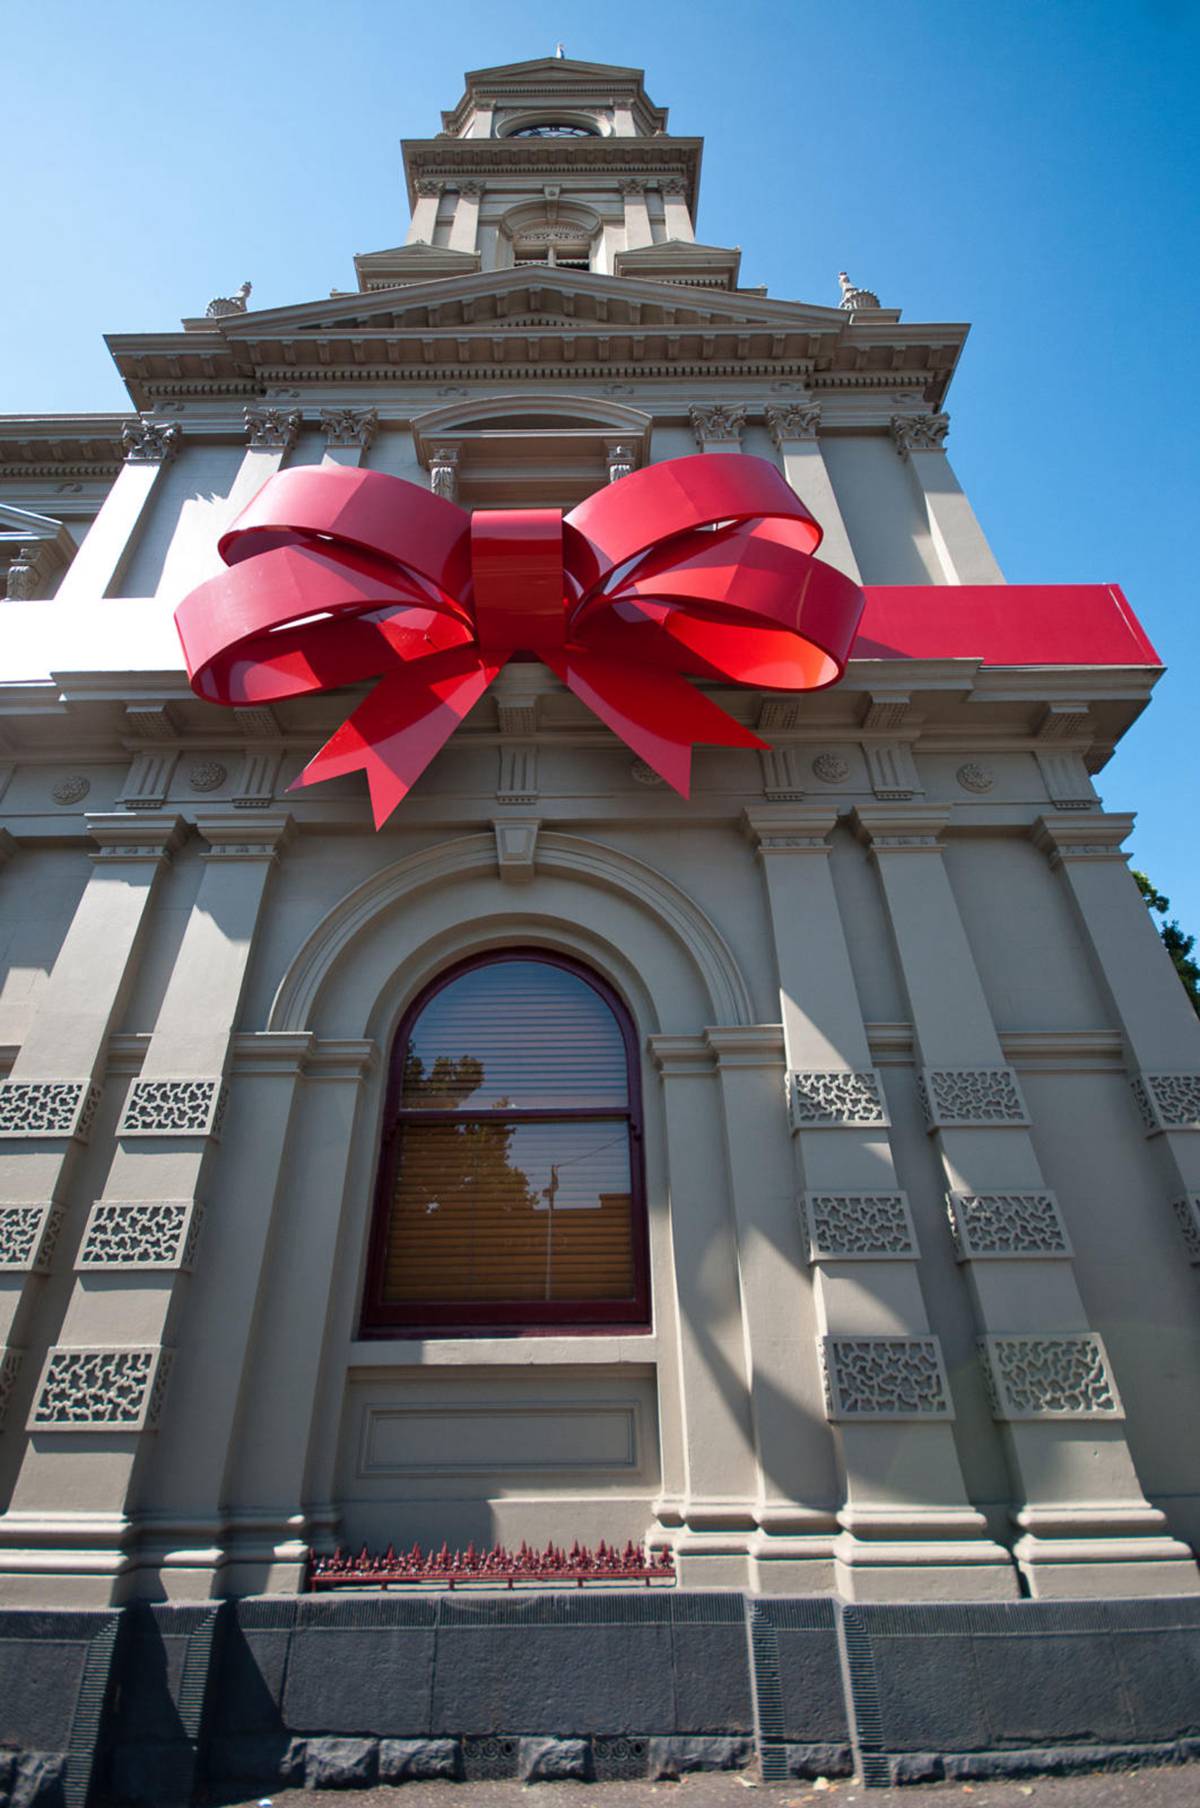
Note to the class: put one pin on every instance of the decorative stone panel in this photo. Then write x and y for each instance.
(1187, 1213)
(188, 1107)
(892, 769)
(207, 775)
(107, 1389)
(987, 1225)
(48, 1108)
(970, 1097)
(841, 1100)
(10, 1368)
(1067, 780)
(885, 1378)
(71, 790)
(28, 1234)
(974, 777)
(859, 1227)
(781, 779)
(518, 778)
(831, 768)
(1167, 1101)
(1055, 1377)
(141, 1233)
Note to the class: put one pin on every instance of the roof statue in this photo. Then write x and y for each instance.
(855, 300)
(221, 305)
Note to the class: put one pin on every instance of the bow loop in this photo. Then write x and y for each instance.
(701, 565)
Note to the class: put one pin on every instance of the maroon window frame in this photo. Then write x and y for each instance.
(382, 1317)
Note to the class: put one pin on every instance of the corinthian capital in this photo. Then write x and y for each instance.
(349, 426)
(788, 421)
(919, 432)
(149, 442)
(272, 429)
(715, 423)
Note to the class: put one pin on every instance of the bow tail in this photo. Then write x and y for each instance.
(397, 729)
(653, 710)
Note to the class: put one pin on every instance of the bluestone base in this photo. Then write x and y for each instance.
(157, 1705)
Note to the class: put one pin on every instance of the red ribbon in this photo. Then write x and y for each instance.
(700, 565)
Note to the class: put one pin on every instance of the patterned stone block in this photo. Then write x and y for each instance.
(1167, 1101)
(987, 1225)
(1187, 1214)
(10, 1368)
(859, 1227)
(836, 1100)
(1061, 1376)
(188, 1107)
(970, 1097)
(106, 1389)
(139, 1233)
(28, 1234)
(885, 1378)
(48, 1108)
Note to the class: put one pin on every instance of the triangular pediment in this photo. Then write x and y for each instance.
(543, 318)
(418, 262)
(493, 299)
(553, 68)
(682, 261)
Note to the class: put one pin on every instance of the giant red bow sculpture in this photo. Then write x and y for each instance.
(699, 565)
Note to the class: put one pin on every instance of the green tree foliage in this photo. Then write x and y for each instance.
(1178, 945)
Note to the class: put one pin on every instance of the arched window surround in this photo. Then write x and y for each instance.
(382, 1319)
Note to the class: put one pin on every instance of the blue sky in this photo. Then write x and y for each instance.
(1031, 168)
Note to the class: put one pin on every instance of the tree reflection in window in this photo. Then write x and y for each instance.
(510, 1188)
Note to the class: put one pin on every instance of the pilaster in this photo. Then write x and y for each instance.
(710, 1528)
(425, 213)
(49, 1102)
(464, 228)
(270, 1458)
(96, 569)
(102, 1387)
(676, 216)
(908, 1527)
(637, 214)
(1085, 1525)
(963, 552)
(793, 427)
(270, 435)
(1159, 1026)
(797, 1482)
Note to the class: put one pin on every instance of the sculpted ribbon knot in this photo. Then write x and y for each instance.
(698, 565)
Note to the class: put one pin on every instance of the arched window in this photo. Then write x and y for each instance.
(510, 1183)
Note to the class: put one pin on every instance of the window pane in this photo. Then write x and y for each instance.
(517, 1034)
(499, 1211)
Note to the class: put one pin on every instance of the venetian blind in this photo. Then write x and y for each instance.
(512, 1179)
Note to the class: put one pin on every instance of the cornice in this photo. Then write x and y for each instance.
(60, 445)
(577, 157)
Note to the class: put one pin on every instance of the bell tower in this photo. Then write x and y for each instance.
(559, 163)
